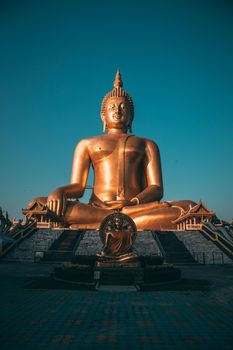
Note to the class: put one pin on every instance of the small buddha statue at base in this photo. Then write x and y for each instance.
(118, 233)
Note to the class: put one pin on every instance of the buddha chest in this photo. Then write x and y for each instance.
(127, 148)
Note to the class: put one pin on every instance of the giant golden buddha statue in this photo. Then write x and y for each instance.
(127, 174)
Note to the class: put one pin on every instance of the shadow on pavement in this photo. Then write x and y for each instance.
(183, 284)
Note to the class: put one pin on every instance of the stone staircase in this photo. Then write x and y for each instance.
(173, 248)
(38, 242)
(202, 249)
(63, 249)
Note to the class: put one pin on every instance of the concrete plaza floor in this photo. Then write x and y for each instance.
(71, 319)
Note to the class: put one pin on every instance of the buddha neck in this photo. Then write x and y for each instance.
(115, 131)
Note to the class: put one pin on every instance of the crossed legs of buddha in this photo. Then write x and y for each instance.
(148, 216)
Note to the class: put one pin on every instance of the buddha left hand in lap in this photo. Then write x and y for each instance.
(127, 174)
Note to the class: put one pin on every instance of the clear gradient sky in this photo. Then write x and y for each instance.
(59, 58)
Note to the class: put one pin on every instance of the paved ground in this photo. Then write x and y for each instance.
(70, 319)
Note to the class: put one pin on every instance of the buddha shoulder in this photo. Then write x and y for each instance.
(147, 143)
(88, 144)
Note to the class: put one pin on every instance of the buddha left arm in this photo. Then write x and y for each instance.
(153, 172)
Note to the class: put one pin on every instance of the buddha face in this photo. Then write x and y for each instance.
(117, 113)
(118, 222)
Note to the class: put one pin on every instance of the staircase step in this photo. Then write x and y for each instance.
(175, 250)
(63, 248)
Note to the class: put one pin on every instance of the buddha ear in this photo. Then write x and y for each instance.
(104, 126)
(130, 127)
(104, 123)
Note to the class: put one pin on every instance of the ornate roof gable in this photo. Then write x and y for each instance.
(200, 208)
(37, 206)
(197, 210)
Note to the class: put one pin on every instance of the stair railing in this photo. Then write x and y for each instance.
(18, 237)
(154, 233)
(215, 236)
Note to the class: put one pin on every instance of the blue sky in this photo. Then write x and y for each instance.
(59, 58)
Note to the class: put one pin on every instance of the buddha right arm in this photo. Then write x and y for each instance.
(81, 163)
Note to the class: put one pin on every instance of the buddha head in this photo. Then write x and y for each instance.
(117, 223)
(117, 110)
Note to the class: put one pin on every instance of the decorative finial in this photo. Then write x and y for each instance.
(118, 82)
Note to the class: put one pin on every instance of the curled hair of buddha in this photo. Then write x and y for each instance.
(117, 91)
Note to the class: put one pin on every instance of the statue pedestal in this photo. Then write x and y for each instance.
(114, 264)
(128, 259)
(131, 274)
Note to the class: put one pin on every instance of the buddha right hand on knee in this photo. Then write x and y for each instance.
(57, 202)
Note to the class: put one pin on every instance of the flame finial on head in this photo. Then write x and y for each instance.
(118, 81)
